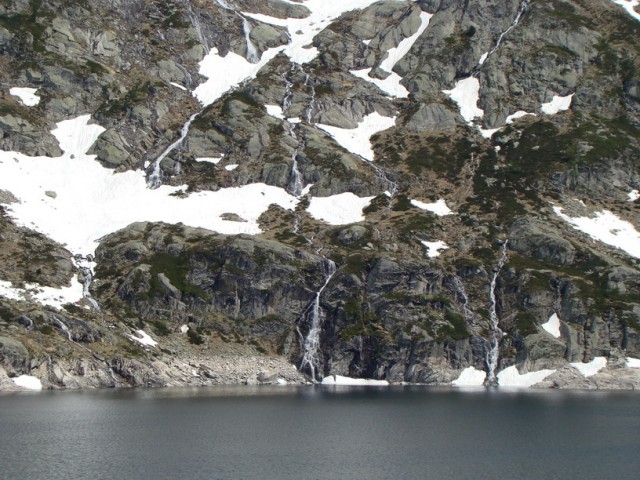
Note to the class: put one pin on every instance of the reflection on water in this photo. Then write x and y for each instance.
(315, 432)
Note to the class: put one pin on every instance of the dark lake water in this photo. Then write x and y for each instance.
(320, 433)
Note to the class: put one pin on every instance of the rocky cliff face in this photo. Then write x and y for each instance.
(458, 191)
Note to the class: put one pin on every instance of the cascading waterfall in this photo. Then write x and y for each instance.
(295, 186)
(64, 328)
(195, 21)
(155, 178)
(310, 359)
(463, 298)
(516, 20)
(252, 52)
(85, 267)
(312, 101)
(493, 351)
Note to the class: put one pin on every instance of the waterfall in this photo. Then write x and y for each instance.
(463, 298)
(288, 93)
(64, 328)
(516, 20)
(84, 265)
(295, 179)
(494, 345)
(310, 359)
(252, 52)
(195, 21)
(312, 101)
(155, 178)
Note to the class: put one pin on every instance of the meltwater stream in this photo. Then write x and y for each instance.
(320, 433)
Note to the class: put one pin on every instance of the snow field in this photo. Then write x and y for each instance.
(590, 368)
(552, 326)
(470, 377)
(26, 95)
(434, 249)
(340, 380)
(340, 209)
(511, 377)
(29, 382)
(144, 339)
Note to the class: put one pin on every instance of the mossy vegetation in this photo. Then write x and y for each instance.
(176, 269)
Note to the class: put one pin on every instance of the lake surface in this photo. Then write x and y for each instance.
(320, 433)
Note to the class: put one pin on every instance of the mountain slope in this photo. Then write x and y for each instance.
(417, 191)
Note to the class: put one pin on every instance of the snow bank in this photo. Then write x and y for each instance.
(633, 195)
(552, 326)
(339, 380)
(275, 111)
(143, 339)
(214, 160)
(391, 85)
(511, 377)
(340, 209)
(466, 94)
(93, 201)
(633, 362)
(49, 296)
(434, 249)
(470, 377)
(592, 367)
(356, 140)
(629, 5)
(557, 104)
(439, 208)
(230, 168)
(29, 382)
(517, 115)
(607, 228)
(26, 95)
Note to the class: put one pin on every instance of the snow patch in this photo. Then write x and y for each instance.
(629, 5)
(483, 58)
(466, 94)
(26, 95)
(552, 326)
(633, 195)
(10, 292)
(470, 377)
(144, 339)
(434, 249)
(48, 296)
(591, 368)
(557, 104)
(214, 160)
(519, 114)
(356, 140)
(177, 85)
(511, 377)
(184, 328)
(230, 168)
(632, 362)
(275, 111)
(281, 381)
(29, 382)
(607, 228)
(439, 208)
(340, 380)
(93, 201)
(340, 209)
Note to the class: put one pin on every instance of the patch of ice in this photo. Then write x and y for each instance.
(632, 362)
(93, 201)
(26, 95)
(434, 249)
(511, 377)
(214, 160)
(275, 111)
(340, 209)
(144, 339)
(552, 326)
(557, 104)
(231, 167)
(633, 195)
(591, 368)
(607, 228)
(629, 6)
(517, 115)
(356, 140)
(177, 85)
(29, 382)
(466, 94)
(439, 208)
(470, 377)
(340, 380)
